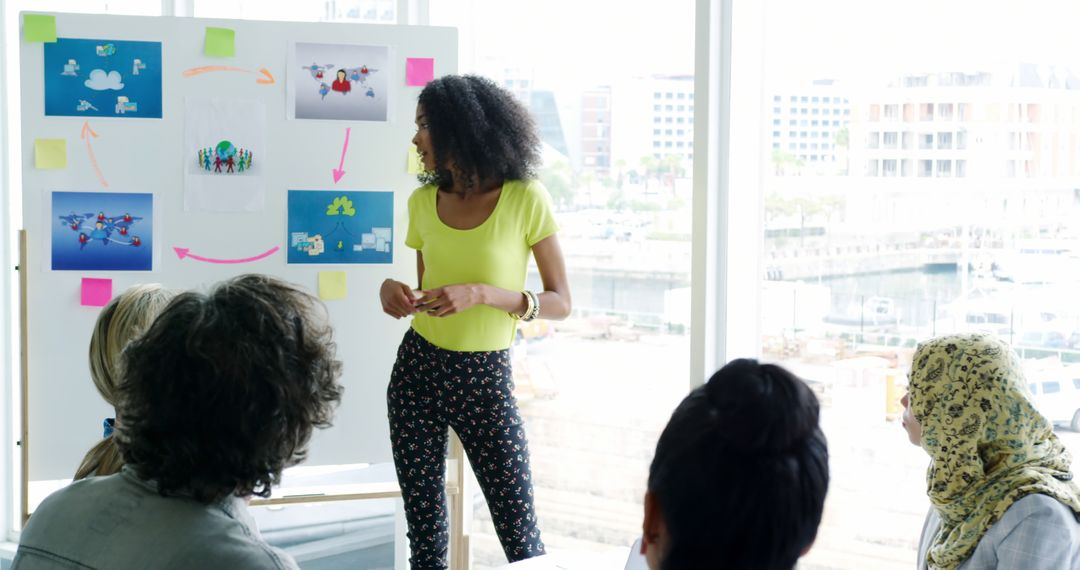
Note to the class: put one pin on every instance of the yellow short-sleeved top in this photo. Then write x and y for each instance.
(496, 253)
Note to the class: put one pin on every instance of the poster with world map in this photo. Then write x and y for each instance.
(340, 82)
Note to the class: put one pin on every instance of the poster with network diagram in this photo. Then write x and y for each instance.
(338, 82)
(340, 227)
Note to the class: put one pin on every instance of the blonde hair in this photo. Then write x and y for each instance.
(122, 320)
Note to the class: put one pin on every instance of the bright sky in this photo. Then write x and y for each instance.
(868, 38)
(575, 42)
(583, 42)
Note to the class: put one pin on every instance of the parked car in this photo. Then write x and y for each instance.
(1056, 394)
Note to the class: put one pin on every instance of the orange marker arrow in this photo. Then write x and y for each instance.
(90, 150)
(265, 78)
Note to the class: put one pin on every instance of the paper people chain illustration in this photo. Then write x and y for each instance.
(342, 78)
(224, 158)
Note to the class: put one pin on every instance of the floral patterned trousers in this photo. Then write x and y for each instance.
(430, 390)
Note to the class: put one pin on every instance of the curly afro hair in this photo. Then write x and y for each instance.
(224, 390)
(481, 128)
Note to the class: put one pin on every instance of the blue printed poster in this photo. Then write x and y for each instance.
(102, 231)
(340, 227)
(102, 78)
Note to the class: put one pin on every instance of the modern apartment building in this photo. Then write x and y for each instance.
(804, 121)
(1018, 122)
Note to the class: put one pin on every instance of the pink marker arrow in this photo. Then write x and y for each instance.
(86, 130)
(338, 172)
(183, 252)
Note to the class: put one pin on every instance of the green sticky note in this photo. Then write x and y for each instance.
(415, 165)
(220, 42)
(39, 28)
(332, 285)
(50, 153)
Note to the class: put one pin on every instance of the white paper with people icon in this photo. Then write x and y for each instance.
(338, 82)
(224, 150)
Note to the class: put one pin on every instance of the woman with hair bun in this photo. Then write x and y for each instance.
(740, 474)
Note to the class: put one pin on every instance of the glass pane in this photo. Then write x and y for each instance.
(359, 11)
(338, 534)
(616, 117)
(945, 202)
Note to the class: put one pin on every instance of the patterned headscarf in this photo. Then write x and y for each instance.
(988, 445)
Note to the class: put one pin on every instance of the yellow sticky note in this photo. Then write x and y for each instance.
(39, 28)
(220, 42)
(332, 285)
(50, 153)
(415, 165)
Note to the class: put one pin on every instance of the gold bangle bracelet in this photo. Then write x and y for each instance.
(534, 307)
(529, 307)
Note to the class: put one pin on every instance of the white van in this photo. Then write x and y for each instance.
(1056, 394)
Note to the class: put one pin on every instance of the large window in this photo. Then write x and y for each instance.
(597, 388)
(972, 233)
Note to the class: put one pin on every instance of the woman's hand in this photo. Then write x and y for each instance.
(451, 299)
(397, 299)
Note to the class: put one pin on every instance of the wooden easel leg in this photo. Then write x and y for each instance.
(24, 384)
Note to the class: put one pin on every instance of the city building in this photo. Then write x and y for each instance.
(806, 123)
(1022, 121)
(667, 104)
(596, 131)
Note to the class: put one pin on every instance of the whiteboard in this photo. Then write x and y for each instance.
(147, 155)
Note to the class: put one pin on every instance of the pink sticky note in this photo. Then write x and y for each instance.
(96, 292)
(419, 70)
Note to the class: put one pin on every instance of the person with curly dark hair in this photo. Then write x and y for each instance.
(474, 223)
(220, 394)
(740, 474)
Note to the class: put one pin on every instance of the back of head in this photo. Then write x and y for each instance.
(124, 318)
(224, 390)
(741, 471)
(481, 128)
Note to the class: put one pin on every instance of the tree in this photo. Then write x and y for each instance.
(785, 163)
(620, 166)
(842, 138)
(558, 179)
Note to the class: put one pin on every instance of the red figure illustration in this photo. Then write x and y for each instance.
(341, 84)
(231, 164)
(217, 163)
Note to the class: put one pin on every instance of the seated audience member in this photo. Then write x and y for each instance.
(740, 474)
(1001, 493)
(123, 319)
(219, 395)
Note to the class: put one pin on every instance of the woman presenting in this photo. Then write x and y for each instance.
(473, 224)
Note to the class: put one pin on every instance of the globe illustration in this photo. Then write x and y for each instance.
(225, 149)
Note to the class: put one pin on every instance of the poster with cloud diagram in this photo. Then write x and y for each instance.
(102, 78)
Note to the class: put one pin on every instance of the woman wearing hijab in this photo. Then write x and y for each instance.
(999, 481)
